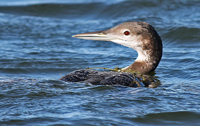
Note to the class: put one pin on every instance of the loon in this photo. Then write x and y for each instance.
(140, 36)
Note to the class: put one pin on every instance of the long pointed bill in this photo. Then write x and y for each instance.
(98, 35)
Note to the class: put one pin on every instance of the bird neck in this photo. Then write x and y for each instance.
(148, 58)
(143, 64)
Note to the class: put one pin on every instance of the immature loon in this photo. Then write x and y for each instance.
(139, 36)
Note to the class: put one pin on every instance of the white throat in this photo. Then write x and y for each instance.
(142, 56)
(135, 44)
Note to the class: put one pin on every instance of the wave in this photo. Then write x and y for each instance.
(182, 34)
(186, 117)
(31, 2)
(96, 9)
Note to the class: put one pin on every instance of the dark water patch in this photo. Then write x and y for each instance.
(182, 35)
(132, 9)
(169, 118)
(54, 10)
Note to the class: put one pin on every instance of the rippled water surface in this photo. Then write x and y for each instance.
(36, 49)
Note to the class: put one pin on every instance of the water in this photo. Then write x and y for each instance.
(37, 48)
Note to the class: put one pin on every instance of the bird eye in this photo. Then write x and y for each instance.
(126, 33)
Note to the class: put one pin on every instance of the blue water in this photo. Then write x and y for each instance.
(36, 49)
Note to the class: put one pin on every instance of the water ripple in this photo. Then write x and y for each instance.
(36, 43)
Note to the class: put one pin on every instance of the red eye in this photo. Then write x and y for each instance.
(126, 33)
